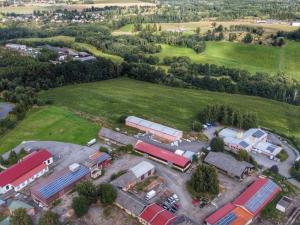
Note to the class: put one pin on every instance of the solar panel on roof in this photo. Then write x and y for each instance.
(102, 158)
(244, 144)
(261, 196)
(60, 183)
(258, 134)
(271, 148)
(227, 220)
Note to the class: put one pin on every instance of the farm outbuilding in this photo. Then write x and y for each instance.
(116, 138)
(25, 171)
(163, 156)
(247, 206)
(57, 184)
(158, 130)
(228, 164)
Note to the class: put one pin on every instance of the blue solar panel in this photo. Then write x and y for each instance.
(244, 144)
(271, 148)
(227, 220)
(102, 158)
(61, 182)
(258, 134)
(261, 196)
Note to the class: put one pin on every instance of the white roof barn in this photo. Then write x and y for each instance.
(141, 169)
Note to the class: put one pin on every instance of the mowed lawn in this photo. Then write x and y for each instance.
(176, 107)
(254, 58)
(49, 123)
(70, 41)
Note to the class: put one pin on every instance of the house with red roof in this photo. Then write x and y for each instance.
(163, 156)
(25, 171)
(247, 206)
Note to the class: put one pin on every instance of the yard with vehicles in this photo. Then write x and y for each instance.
(112, 99)
(254, 58)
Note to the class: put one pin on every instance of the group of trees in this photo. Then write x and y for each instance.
(88, 193)
(204, 182)
(20, 217)
(13, 157)
(227, 115)
(295, 170)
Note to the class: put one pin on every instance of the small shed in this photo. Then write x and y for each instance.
(284, 203)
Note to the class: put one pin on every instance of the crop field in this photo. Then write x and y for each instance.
(27, 9)
(206, 25)
(70, 41)
(176, 107)
(254, 58)
(50, 123)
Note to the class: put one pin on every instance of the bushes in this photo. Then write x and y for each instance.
(217, 144)
(295, 170)
(204, 182)
(80, 205)
(107, 194)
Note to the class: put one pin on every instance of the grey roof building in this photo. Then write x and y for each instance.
(116, 137)
(129, 203)
(229, 164)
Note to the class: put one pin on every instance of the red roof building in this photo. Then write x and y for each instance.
(163, 156)
(25, 171)
(248, 205)
(156, 215)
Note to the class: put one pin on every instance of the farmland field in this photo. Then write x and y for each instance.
(70, 41)
(50, 123)
(254, 58)
(173, 106)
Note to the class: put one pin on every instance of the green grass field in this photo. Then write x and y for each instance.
(254, 58)
(173, 106)
(70, 41)
(50, 123)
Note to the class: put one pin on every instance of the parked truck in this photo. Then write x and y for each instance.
(150, 195)
(91, 142)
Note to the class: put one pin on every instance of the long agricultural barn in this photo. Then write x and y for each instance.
(248, 205)
(164, 156)
(158, 130)
(116, 138)
(25, 171)
(56, 185)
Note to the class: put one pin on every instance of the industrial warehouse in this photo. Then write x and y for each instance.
(58, 184)
(158, 130)
(247, 206)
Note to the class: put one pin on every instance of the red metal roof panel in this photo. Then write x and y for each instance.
(23, 167)
(150, 212)
(163, 154)
(219, 214)
(163, 218)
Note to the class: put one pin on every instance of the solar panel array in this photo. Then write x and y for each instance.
(258, 134)
(244, 144)
(271, 148)
(227, 220)
(261, 196)
(102, 158)
(61, 182)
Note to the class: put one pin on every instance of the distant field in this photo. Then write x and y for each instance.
(173, 106)
(51, 123)
(206, 25)
(80, 46)
(253, 58)
(28, 9)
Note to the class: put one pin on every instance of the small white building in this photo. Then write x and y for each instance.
(295, 24)
(16, 47)
(283, 204)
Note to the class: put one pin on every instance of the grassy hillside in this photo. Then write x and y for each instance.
(173, 106)
(51, 123)
(250, 57)
(70, 41)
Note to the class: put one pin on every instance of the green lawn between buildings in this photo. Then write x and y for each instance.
(254, 58)
(50, 123)
(176, 107)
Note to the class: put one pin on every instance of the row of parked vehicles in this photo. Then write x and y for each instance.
(171, 203)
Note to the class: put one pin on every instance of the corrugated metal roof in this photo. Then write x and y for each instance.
(117, 136)
(99, 157)
(163, 154)
(19, 204)
(154, 126)
(260, 193)
(227, 163)
(26, 165)
(219, 214)
(141, 168)
(156, 215)
(58, 181)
